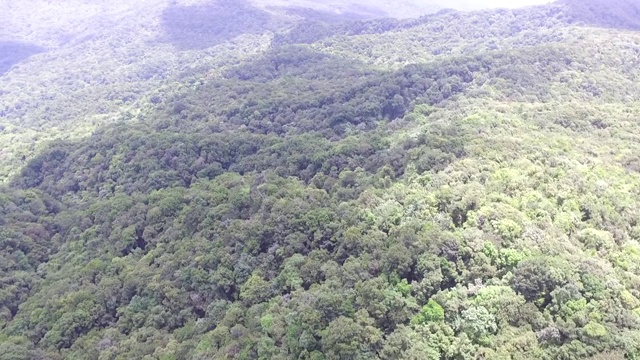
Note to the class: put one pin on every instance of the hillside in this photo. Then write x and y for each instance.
(230, 180)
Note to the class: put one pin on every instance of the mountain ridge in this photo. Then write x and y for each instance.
(458, 186)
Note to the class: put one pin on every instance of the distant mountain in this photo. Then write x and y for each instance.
(398, 9)
(622, 14)
(225, 179)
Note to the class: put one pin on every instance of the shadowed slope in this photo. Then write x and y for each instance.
(203, 26)
(13, 52)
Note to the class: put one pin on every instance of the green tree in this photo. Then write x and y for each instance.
(431, 312)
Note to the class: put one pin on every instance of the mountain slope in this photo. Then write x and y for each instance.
(457, 186)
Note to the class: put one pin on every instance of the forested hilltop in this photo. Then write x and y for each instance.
(222, 180)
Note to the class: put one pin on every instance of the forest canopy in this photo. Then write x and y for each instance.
(286, 185)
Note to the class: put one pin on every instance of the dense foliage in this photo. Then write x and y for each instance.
(459, 186)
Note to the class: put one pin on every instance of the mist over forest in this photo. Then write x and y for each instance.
(296, 179)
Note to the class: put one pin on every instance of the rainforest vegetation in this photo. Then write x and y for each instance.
(225, 181)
